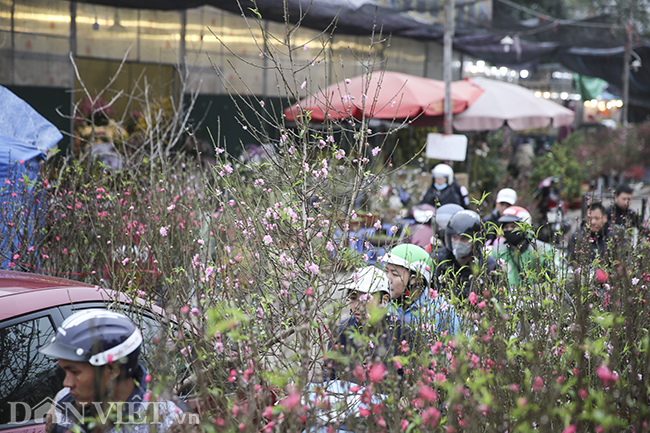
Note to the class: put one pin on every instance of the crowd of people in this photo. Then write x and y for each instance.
(413, 289)
(416, 287)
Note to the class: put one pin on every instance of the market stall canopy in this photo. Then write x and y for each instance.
(509, 103)
(384, 95)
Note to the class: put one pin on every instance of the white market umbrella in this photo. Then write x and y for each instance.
(503, 102)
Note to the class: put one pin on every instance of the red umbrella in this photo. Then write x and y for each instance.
(384, 95)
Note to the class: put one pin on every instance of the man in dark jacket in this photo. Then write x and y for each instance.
(594, 234)
(461, 266)
(105, 385)
(620, 213)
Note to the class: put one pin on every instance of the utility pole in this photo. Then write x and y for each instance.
(71, 72)
(448, 38)
(627, 56)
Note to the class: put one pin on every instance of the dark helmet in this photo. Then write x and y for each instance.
(463, 222)
(443, 215)
(98, 337)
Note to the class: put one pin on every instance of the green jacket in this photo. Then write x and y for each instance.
(530, 265)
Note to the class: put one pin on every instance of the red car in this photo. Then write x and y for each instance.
(31, 308)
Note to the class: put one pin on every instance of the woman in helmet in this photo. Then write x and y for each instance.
(409, 269)
(461, 266)
(522, 256)
(444, 189)
(99, 351)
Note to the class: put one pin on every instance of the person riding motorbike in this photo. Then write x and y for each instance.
(409, 269)
(444, 189)
(524, 258)
(550, 208)
(505, 198)
(443, 215)
(461, 266)
(368, 294)
(420, 231)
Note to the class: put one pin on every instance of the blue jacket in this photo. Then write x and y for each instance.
(425, 310)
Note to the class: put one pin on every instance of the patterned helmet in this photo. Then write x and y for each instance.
(515, 214)
(98, 337)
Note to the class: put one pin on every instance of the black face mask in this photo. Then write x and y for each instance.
(514, 238)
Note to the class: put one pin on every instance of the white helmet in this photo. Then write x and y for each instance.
(507, 195)
(368, 280)
(443, 171)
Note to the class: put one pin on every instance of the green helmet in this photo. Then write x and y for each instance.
(411, 257)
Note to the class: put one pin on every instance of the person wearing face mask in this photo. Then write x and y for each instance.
(368, 294)
(461, 266)
(443, 215)
(505, 198)
(524, 259)
(444, 189)
(409, 269)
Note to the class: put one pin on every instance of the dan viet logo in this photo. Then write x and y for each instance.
(135, 412)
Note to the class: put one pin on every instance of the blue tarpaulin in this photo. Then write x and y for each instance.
(25, 138)
(21, 122)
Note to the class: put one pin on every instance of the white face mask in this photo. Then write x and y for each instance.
(461, 249)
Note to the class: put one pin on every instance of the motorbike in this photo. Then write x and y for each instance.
(417, 227)
(551, 225)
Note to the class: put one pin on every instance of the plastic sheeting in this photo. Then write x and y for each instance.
(19, 121)
(26, 137)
